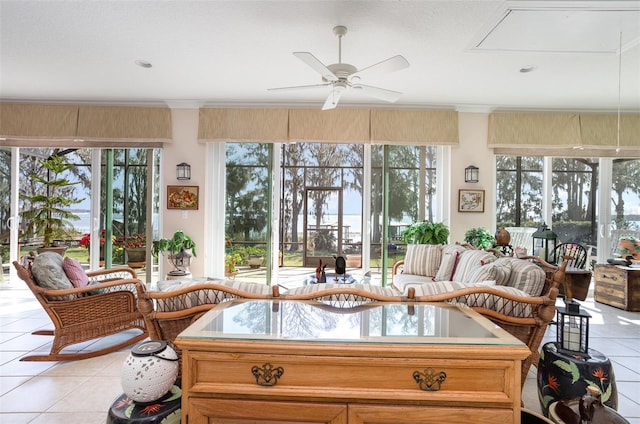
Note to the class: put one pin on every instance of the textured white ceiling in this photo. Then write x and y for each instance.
(463, 54)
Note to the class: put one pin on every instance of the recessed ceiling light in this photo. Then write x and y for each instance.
(143, 63)
(527, 68)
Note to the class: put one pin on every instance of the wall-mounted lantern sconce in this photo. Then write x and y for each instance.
(183, 171)
(471, 174)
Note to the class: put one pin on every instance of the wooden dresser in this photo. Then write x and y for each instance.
(273, 361)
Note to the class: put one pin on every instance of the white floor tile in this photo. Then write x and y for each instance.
(47, 392)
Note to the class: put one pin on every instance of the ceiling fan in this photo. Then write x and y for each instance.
(340, 77)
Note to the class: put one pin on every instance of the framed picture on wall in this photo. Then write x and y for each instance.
(470, 200)
(182, 197)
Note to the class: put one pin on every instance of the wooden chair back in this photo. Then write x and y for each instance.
(575, 253)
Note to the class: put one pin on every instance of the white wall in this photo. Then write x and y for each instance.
(472, 150)
(185, 147)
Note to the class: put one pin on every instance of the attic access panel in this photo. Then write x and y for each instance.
(561, 30)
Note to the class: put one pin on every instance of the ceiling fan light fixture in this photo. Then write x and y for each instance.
(340, 77)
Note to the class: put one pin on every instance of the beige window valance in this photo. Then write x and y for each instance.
(338, 125)
(414, 127)
(564, 134)
(36, 121)
(224, 124)
(26, 125)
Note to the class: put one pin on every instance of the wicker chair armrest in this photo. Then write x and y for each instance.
(109, 274)
(210, 286)
(532, 300)
(128, 284)
(350, 296)
(208, 293)
(491, 299)
(544, 264)
(397, 267)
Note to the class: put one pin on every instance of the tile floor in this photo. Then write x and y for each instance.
(82, 391)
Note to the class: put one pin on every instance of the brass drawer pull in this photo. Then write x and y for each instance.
(430, 380)
(610, 277)
(267, 375)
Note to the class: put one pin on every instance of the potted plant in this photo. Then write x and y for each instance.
(85, 242)
(49, 215)
(255, 256)
(479, 237)
(135, 249)
(426, 232)
(176, 248)
(230, 261)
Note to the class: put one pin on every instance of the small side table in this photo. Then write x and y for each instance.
(565, 376)
(166, 410)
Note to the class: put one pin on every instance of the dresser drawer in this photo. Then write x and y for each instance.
(322, 377)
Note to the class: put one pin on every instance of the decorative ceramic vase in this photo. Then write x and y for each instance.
(149, 371)
(502, 237)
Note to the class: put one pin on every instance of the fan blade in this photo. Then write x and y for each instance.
(333, 98)
(316, 65)
(392, 64)
(300, 87)
(379, 93)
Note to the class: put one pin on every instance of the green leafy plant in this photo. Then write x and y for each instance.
(426, 232)
(49, 215)
(479, 237)
(230, 261)
(174, 244)
(180, 242)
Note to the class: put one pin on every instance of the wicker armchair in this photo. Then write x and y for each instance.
(526, 318)
(107, 306)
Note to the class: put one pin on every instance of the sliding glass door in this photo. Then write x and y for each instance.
(109, 203)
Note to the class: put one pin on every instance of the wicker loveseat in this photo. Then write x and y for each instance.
(170, 311)
(521, 297)
(105, 306)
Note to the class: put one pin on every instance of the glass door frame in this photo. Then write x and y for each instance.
(310, 260)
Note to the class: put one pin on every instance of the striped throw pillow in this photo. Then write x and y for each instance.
(450, 253)
(526, 276)
(422, 259)
(482, 273)
(468, 261)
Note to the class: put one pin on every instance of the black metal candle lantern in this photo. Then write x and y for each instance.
(544, 241)
(573, 330)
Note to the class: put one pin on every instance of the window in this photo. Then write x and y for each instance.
(518, 191)
(323, 196)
